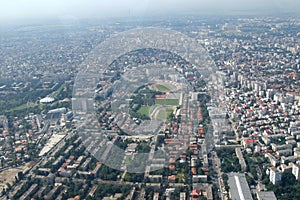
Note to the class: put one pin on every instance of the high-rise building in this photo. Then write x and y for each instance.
(275, 176)
(296, 171)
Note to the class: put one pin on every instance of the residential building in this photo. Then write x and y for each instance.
(296, 171)
(275, 176)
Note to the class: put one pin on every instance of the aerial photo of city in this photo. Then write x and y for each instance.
(150, 100)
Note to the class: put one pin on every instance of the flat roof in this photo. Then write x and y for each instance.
(266, 195)
(239, 188)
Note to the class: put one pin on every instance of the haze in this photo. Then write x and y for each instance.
(26, 10)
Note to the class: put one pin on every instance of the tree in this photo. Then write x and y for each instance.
(225, 179)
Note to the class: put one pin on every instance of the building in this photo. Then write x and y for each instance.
(266, 196)
(209, 193)
(287, 160)
(286, 152)
(195, 193)
(239, 188)
(29, 192)
(248, 143)
(272, 159)
(155, 178)
(296, 171)
(47, 100)
(275, 176)
(199, 178)
(51, 179)
(182, 196)
(242, 162)
(156, 196)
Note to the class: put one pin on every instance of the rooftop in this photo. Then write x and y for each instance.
(239, 188)
(266, 196)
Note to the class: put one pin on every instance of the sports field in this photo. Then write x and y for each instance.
(161, 87)
(171, 102)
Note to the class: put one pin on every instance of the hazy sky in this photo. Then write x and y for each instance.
(11, 10)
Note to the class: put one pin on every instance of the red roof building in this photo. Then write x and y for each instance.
(195, 193)
(194, 171)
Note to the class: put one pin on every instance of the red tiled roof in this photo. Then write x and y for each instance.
(196, 193)
(249, 141)
(194, 171)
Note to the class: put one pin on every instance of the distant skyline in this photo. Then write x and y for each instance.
(29, 10)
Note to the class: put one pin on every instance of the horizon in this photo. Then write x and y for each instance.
(30, 11)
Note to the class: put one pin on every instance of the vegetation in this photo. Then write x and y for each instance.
(137, 163)
(287, 189)
(225, 179)
(250, 180)
(133, 177)
(149, 191)
(144, 110)
(164, 114)
(107, 190)
(122, 144)
(162, 87)
(176, 194)
(252, 163)
(230, 162)
(172, 102)
(215, 192)
(18, 103)
(107, 173)
(143, 102)
(25, 187)
(74, 189)
(204, 99)
(143, 147)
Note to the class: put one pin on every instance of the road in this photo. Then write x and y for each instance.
(217, 166)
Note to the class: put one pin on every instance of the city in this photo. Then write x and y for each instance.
(191, 108)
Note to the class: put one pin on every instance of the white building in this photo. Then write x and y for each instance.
(275, 176)
(296, 171)
(47, 100)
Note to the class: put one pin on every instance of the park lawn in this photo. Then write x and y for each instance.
(23, 107)
(162, 87)
(171, 102)
(145, 110)
(55, 93)
(164, 113)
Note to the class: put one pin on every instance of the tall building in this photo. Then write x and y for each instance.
(275, 176)
(296, 171)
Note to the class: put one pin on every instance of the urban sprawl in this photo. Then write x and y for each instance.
(194, 108)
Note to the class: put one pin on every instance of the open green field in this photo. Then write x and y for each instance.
(163, 87)
(171, 102)
(164, 113)
(145, 110)
(23, 107)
